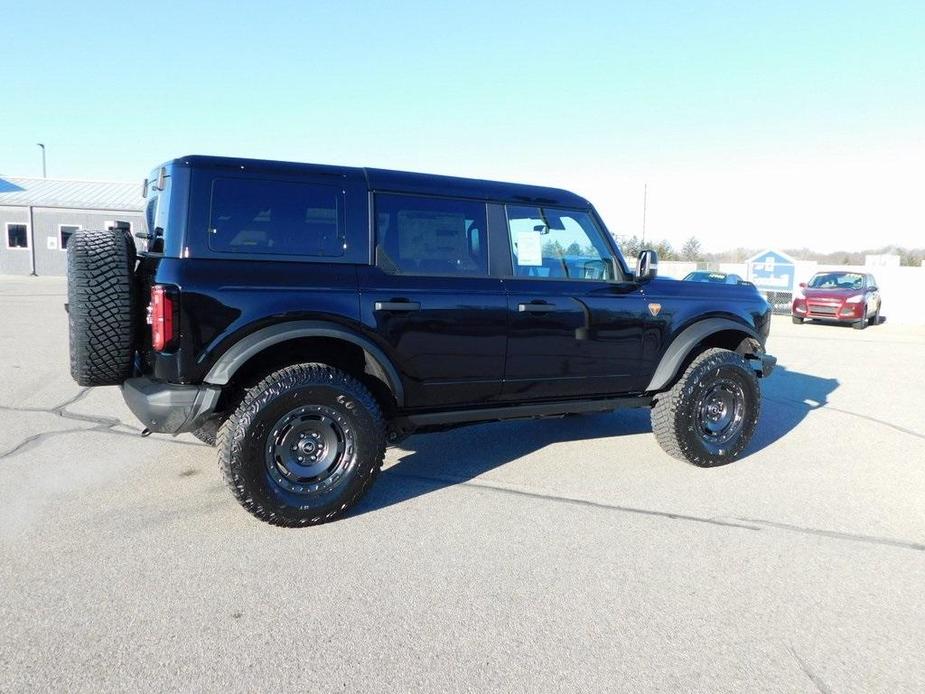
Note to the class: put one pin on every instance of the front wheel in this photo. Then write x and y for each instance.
(710, 414)
(303, 446)
(797, 320)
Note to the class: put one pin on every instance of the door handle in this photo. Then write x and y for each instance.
(535, 308)
(395, 306)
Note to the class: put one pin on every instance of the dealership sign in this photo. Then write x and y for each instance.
(772, 271)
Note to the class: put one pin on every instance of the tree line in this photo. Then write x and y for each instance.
(692, 250)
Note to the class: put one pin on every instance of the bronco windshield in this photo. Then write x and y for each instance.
(837, 280)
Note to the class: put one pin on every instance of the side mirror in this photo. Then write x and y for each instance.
(802, 285)
(161, 179)
(874, 288)
(646, 266)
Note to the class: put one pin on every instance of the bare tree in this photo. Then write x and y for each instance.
(691, 249)
(630, 247)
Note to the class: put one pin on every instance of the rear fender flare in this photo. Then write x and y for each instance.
(688, 339)
(378, 363)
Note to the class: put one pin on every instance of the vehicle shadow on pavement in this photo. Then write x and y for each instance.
(787, 397)
(433, 461)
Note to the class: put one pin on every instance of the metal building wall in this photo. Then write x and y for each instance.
(50, 258)
(14, 261)
(45, 237)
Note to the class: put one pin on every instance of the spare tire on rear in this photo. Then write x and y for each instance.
(101, 306)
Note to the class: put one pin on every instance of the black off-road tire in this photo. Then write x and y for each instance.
(208, 432)
(102, 305)
(678, 413)
(797, 320)
(254, 441)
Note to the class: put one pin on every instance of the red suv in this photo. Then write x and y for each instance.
(848, 297)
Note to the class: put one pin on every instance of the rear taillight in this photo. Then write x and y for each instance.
(160, 317)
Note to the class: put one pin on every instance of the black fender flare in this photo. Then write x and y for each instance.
(378, 363)
(689, 338)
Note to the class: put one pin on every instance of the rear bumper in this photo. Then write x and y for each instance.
(169, 408)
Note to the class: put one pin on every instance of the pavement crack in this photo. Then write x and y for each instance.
(756, 524)
(103, 424)
(836, 535)
(571, 500)
(813, 677)
(877, 421)
(35, 439)
(797, 403)
(81, 394)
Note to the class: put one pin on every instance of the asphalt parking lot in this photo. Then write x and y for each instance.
(545, 555)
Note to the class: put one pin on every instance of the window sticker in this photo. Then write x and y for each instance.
(529, 248)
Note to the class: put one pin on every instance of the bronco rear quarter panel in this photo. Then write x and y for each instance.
(223, 301)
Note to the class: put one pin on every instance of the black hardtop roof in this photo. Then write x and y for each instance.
(399, 181)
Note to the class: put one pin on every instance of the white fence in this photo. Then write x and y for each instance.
(901, 288)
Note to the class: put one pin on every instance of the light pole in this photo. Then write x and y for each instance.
(44, 175)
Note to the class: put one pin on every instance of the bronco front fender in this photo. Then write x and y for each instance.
(679, 349)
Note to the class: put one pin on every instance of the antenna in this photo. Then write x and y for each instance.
(645, 197)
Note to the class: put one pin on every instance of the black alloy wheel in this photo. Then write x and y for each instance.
(303, 446)
(709, 416)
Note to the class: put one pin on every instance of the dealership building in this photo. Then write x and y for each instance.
(38, 216)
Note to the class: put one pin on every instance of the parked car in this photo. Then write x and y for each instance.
(714, 277)
(847, 297)
(300, 317)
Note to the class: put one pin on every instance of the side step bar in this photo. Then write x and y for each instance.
(407, 423)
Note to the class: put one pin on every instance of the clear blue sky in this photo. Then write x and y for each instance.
(783, 120)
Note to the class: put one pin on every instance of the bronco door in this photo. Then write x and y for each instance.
(576, 318)
(431, 300)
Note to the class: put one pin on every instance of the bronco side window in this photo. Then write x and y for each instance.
(557, 244)
(430, 236)
(276, 218)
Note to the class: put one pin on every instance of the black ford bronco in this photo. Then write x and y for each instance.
(301, 317)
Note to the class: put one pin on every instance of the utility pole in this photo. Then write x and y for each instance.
(44, 175)
(645, 196)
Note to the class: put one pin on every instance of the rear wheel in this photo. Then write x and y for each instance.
(303, 446)
(710, 414)
(101, 306)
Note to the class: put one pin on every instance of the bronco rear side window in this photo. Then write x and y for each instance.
(276, 218)
(430, 236)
